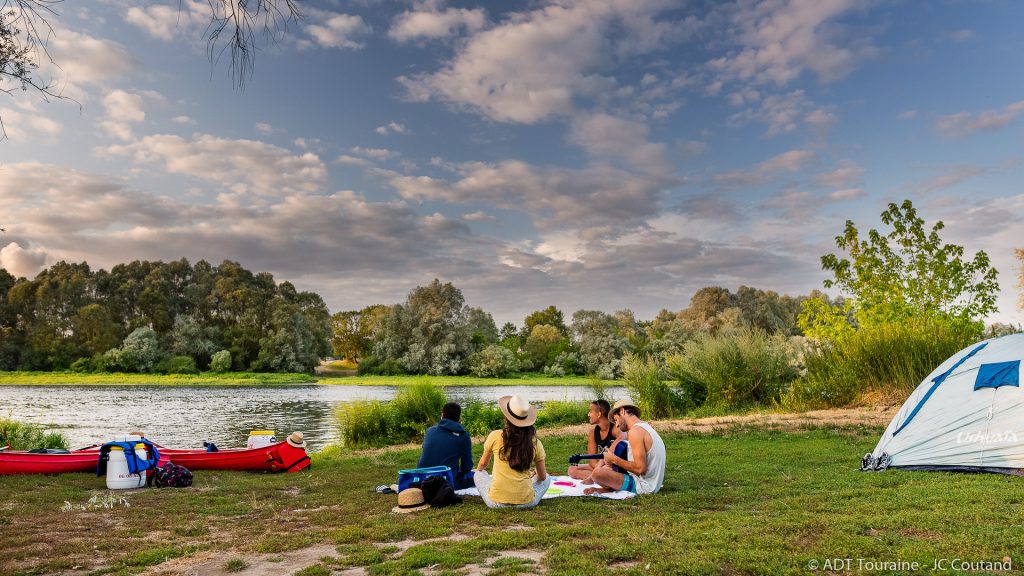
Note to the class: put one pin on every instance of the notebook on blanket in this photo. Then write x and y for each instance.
(562, 486)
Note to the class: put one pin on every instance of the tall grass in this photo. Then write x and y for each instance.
(887, 360)
(25, 436)
(734, 369)
(374, 423)
(643, 377)
(563, 413)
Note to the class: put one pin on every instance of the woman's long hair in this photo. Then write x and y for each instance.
(517, 447)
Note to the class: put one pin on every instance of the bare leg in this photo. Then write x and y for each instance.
(607, 480)
(580, 472)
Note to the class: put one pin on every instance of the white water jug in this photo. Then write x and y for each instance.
(118, 475)
(260, 438)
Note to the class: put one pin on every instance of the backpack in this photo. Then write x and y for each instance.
(438, 492)
(172, 476)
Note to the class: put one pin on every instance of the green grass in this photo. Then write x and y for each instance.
(530, 379)
(27, 436)
(744, 501)
(204, 379)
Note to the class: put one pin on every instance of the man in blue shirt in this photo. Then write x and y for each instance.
(448, 444)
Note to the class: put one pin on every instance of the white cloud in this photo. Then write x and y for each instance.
(184, 120)
(375, 153)
(780, 112)
(20, 126)
(847, 194)
(242, 165)
(80, 60)
(264, 128)
(821, 119)
(609, 137)
(391, 128)
(478, 216)
(908, 115)
(844, 176)
(534, 65)
(353, 161)
(21, 262)
(789, 161)
(122, 110)
(332, 30)
(167, 21)
(965, 124)
(436, 24)
(779, 39)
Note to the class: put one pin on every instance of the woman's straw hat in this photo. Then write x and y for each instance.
(296, 439)
(517, 411)
(410, 500)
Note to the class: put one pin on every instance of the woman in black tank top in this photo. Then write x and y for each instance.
(596, 440)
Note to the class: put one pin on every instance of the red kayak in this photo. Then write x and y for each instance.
(280, 457)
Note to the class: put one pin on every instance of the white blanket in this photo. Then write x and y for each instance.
(562, 486)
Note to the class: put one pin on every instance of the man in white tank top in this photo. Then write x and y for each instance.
(644, 464)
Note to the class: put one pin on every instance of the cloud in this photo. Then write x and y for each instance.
(83, 60)
(693, 147)
(122, 110)
(375, 153)
(353, 161)
(20, 262)
(960, 36)
(391, 128)
(184, 120)
(953, 176)
(20, 126)
(264, 128)
(478, 216)
(821, 119)
(242, 165)
(436, 25)
(332, 30)
(535, 65)
(790, 161)
(908, 115)
(845, 175)
(846, 194)
(965, 124)
(612, 138)
(781, 113)
(167, 21)
(777, 40)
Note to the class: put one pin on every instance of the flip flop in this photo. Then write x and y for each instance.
(385, 489)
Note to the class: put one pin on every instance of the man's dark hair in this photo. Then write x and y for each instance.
(451, 411)
(602, 406)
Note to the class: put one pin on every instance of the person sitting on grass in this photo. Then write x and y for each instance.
(645, 458)
(602, 436)
(515, 450)
(448, 444)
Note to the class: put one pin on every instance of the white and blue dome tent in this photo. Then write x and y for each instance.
(967, 415)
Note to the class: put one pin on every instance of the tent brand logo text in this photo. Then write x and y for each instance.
(980, 438)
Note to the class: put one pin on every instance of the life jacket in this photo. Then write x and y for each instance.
(288, 458)
(136, 465)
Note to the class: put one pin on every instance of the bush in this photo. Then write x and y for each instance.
(138, 353)
(479, 417)
(494, 361)
(404, 419)
(25, 436)
(890, 359)
(562, 412)
(734, 369)
(365, 423)
(417, 407)
(176, 365)
(644, 379)
(372, 366)
(221, 362)
(82, 365)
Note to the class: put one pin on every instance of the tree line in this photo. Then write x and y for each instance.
(159, 317)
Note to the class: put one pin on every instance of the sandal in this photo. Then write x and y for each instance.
(385, 489)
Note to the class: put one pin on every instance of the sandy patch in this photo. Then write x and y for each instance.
(404, 545)
(213, 563)
(534, 567)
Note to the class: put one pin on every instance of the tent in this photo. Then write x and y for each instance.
(967, 415)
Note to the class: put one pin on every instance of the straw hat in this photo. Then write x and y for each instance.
(410, 500)
(622, 404)
(296, 439)
(517, 411)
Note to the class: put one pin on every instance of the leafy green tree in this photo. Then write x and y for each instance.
(221, 362)
(549, 316)
(95, 331)
(541, 344)
(480, 328)
(494, 361)
(908, 272)
(191, 338)
(138, 353)
(601, 346)
(346, 340)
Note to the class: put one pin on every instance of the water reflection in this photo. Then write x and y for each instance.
(185, 417)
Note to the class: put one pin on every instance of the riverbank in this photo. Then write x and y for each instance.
(120, 379)
(753, 496)
(524, 380)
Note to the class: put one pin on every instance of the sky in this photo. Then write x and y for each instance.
(599, 154)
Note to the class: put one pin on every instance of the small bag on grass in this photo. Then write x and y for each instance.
(172, 476)
(439, 493)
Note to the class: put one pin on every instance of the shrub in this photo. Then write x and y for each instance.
(176, 365)
(733, 369)
(562, 412)
(138, 353)
(494, 361)
(479, 417)
(890, 359)
(365, 423)
(417, 407)
(220, 362)
(25, 436)
(655, 398)
(82, 365)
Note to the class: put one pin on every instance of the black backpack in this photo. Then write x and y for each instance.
(172, 476)
(438, 492)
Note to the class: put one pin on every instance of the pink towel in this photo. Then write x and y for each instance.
(560, 483)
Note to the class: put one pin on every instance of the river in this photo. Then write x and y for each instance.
(186, 416)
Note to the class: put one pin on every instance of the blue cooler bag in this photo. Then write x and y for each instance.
(406, 478)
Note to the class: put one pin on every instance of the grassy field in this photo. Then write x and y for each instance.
(204, 379)
(741, 501)
(525, 380)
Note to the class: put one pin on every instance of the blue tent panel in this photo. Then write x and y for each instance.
(998, 374)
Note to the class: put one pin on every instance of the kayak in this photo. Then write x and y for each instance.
(279, 457)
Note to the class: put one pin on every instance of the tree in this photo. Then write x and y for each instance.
(235, 26)
(346, 341)
(600, 344)
(550, 316)
(540, 344)
(138, 353)
(908, 273)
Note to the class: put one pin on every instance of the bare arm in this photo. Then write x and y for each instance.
(485, 459)
(591, 448)
(637, 446)
(542, 471)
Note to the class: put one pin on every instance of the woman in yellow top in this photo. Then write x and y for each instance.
(515, 450)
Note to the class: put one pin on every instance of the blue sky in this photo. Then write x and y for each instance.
(602, 154)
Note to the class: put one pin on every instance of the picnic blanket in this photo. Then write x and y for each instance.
(562, 486)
